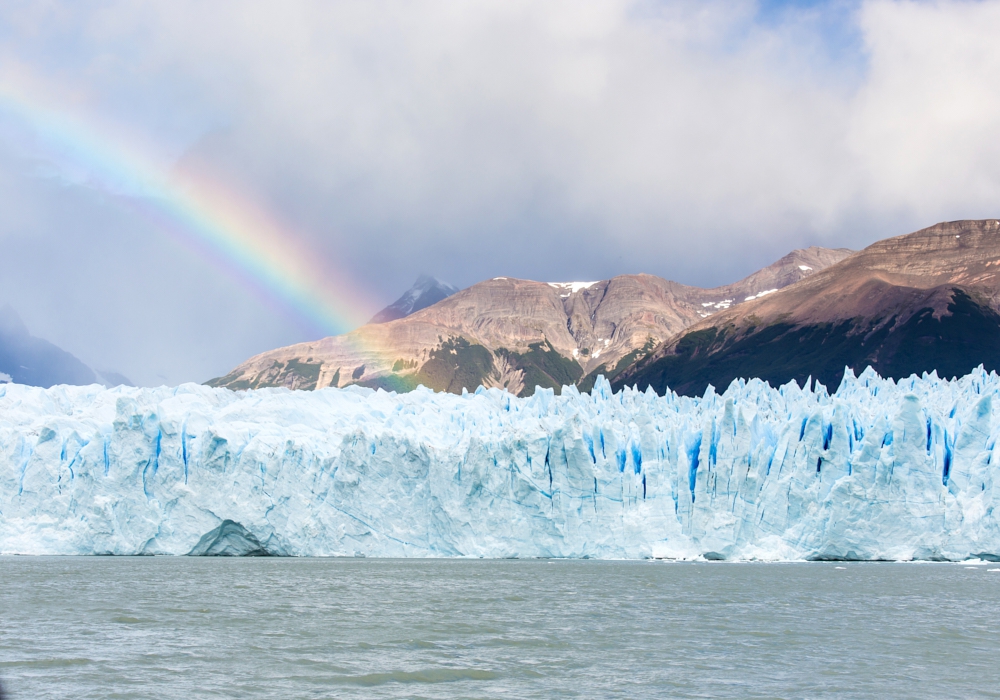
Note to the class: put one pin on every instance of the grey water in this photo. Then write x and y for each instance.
(355, 628)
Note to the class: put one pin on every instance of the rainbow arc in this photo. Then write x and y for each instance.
(221, 225)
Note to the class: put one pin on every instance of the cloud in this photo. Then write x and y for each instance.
(442, 126)
(924, 126)
(555, 140)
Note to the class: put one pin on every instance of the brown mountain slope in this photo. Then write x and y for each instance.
(517, 333)
(920, 302)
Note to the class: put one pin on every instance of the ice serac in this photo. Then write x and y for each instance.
(877, 470)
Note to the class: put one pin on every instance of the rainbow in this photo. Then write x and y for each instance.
(217, 223)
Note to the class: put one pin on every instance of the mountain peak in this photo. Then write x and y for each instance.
(511, 333)
(10, 323)
(25, 359)
(427, 290)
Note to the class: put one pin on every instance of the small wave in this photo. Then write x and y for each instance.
(421, 644)
(125, 619)
(46, 663)
(430, 675)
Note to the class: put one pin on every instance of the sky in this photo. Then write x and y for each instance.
(186, 184)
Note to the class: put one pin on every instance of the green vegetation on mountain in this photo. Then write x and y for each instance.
(543, 366)
(294, 374)
(307, 373)
(401, 364)
(587, 383)
(392, 382)
(454, 365)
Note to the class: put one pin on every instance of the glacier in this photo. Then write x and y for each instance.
(877, 470)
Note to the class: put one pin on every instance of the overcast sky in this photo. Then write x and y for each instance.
(569, 140)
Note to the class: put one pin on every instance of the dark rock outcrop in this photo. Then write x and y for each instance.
(926, 301)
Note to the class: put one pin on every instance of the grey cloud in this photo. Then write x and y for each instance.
(543, 140)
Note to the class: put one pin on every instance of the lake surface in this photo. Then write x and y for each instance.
(335, 628)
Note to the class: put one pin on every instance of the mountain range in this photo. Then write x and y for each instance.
(25, 359)
(518, 334)
(928, 301)
(922, 302)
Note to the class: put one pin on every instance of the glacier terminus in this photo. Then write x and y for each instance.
(879, 469)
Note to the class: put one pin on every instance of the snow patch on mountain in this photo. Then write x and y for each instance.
(572, 287)
(758, 295)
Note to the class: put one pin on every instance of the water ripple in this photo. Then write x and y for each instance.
(177, 628)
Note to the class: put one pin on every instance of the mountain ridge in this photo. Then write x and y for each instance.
(517, 334)
(26, 359)
(903, 305)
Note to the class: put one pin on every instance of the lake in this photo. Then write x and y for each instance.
(161, 627)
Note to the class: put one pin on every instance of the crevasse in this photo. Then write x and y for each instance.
(877, 470)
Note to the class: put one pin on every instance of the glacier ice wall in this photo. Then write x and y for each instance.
(878, 470)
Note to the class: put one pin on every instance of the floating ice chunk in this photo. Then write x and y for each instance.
(229, 540)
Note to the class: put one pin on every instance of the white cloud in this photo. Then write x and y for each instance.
(629, 120)
(925, 125)
(558, 140)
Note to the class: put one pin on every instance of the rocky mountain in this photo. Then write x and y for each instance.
(25, 359)
(922, 302)
(425, 292)
(517, 333)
